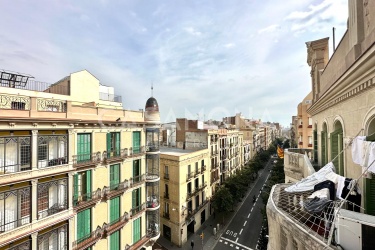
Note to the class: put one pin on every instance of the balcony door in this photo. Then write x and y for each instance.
(83, 147)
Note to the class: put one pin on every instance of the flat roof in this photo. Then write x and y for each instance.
(178, 151)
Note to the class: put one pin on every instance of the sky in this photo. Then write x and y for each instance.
(205, 59)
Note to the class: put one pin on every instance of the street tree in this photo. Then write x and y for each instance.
(223, 201)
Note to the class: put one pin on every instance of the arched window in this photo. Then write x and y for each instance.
(324, 146)
(337, 157)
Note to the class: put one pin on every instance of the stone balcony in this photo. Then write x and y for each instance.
(297, 164)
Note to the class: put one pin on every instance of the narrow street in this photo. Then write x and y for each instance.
(243, 231)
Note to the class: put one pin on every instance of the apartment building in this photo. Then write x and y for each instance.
(304, 123)
(77, 171)
(342, 108)
(186, 192)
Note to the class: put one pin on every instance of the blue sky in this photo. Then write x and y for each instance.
(213, 58)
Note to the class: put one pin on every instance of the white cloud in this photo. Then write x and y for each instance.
(229, 45)
(269, 29)
(192, 31)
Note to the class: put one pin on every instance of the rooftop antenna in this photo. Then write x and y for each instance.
(152, 89)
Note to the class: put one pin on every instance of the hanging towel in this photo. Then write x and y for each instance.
(310, 181)
(358, 151)
(340, 186)
(369, 159)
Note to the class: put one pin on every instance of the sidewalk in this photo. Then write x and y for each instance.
(210, 240)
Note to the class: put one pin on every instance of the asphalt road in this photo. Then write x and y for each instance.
(244, 229)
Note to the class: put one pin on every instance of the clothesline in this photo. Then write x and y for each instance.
(346, 197)
(347, 145)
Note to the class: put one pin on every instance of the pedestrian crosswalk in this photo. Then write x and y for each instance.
(233, 244)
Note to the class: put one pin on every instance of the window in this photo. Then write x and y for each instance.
(52, 150)
(83, 147)
(83, 225)
(15, 154)
(203, 196)
(82, 187)
(310, 121)
(18, 105)
(196, 183)
(197, 201)
(113, 144)
(189, 169)
(166, 207)
(310, 140)
(136, 170)
(54, 239)
(114, 176)
(136, 199)
(136, 142)
(136, 230)
(166, 194)
(196, 167)
(202, 180)
(114, 241)
(52, 197)
(202, 163)
(166, 172)
(189, 187)
(114, 206)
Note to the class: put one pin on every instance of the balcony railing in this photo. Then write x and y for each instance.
(137, 150)
(88, 240)
(117, 224)
(138, 209)
(152, 202)
(214, 180)
(137, 180)
(152, 146)
(203, 168)
(115, 189)
(189, 176)
(191, 213)
(54, 209)
(84, 160)
(55, 88)
(166, 195)
(115, 155)
(109, 97)
(51, 105)
(85, 200)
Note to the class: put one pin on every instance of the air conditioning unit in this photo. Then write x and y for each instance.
(355, 230)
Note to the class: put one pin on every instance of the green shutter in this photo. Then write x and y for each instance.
(75, 188)
(114, 176)
(136, 230)
(134, 198)
(114, 209)
(88, 184)
(109, 142)
(84, 147)
(370, 196)
(315, 134)
(336, 147)
(117, 144)
(114, 240)
(83, 224)
(323, 148)
(136, 142)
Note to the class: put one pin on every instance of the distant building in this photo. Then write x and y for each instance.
(304, 129)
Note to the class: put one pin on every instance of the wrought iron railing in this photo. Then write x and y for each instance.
(138, 209)
(51, 105)
(86, 159)
(14, 102)
(189, 176)
(85, 198)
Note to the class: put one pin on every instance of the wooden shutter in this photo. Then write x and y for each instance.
(136, 230)
(75, 189)
(115, 241)
(335, 150)
(83, 224)
(315, 134)
(88, 184)
(84, 147)
(114, 209)
(370, 196)
(324, 148)
(134, 199)
(109, 144)
(117, 144)
(136, 142)
(114, 175)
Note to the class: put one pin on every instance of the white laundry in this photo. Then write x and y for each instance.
(310, 181)
(358, 151)
(322, 193)
(369, 162)
(340, 186)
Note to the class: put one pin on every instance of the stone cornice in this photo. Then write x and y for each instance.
(357, 79)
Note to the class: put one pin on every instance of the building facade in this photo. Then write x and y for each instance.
(77, 171)
(186, 192)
